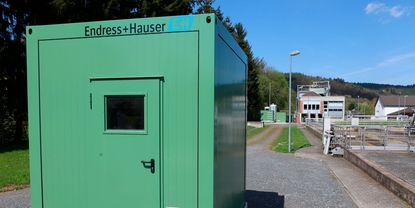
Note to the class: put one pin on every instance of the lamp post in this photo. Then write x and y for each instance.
(269, 99)
(294, 53)
(358, 111)
(404, 113)
(404, 105)
(399, 106)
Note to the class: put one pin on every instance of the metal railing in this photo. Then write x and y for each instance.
(369, 134)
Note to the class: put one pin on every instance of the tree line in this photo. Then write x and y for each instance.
(266, 85)
(17, 14)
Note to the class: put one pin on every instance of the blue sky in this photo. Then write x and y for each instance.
(358, 41)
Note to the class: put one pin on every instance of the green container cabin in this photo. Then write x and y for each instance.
(281, 117)
(267, 115)
(137, 113)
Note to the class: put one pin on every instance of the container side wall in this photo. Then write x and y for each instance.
(230, 121)
(206, 111)
(33, 116)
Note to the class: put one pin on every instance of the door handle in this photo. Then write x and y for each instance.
(151, 162)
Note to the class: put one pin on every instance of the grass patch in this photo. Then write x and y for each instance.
(14, 167)
(298, 141)
(249, 128)
(251, 132)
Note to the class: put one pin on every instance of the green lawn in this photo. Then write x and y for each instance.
(14, 166)
(249, 128)
(298, 141)
(252, 131)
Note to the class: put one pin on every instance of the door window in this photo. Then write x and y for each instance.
(125, 112)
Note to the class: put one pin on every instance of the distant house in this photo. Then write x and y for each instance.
(391, 106)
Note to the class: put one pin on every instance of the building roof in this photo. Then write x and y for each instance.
(396, 100)
(407, 111)
(311, 93)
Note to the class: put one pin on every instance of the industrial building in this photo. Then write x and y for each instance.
(314, 101)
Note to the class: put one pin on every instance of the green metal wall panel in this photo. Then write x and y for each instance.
(180, 123)
(72, 71)
(206, 113)
(281, 117)
(62, 110)
(267, 115)
(230, 122)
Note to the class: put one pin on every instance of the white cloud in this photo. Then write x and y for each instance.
(396, 59)
(374, 7)
(360, 71)
(395, 11)
(391, 63)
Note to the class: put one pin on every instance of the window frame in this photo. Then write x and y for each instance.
(126, 131)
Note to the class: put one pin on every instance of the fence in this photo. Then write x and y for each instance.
(369, 134)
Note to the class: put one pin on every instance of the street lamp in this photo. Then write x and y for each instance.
(294, 53)
(399, 105)
(404, 105)
(269, 99)
(358, 111)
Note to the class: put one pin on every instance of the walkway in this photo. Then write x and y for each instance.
(364, 190)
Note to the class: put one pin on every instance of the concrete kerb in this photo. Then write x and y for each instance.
(256, 124)
(316, 133)
(396, 185)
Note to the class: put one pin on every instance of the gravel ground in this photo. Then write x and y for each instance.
(283, 180)
(15, 199)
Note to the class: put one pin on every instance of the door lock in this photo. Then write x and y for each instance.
(151, 162)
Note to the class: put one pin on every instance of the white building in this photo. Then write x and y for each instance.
(391, 106)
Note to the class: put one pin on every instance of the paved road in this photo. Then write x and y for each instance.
(284, 180)
(15, 199)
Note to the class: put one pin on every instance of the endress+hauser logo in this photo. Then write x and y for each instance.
(180, 23)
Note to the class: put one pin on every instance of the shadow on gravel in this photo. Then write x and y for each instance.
(260, 199)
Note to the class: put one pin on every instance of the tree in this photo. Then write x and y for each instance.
(273, 84)
(205, 7)
(351, 107)
(13, 63)
(254, 98)
(239, 33)
(17, 14)
(80, 10)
